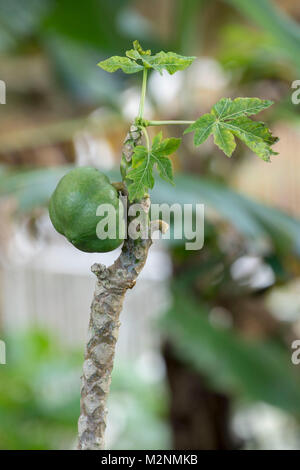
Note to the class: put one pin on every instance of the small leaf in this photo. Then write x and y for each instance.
(157, 139)
(137, 53)
(169, 61)
(133, 54)
(140, 174)
(224, 139)
(137, 47)
(143, 161)
(125, 63)
(203, 127)
(166, 147)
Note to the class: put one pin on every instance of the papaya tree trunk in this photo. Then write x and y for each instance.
(112, 284)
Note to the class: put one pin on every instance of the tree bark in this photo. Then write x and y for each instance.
(112, 284)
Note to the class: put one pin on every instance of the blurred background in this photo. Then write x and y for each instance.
(204, 356)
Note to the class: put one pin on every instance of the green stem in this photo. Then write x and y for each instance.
(143, 93)
(146, 137)
(162, 123)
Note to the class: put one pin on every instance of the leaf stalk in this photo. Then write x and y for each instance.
(163, 123)
(143, 93)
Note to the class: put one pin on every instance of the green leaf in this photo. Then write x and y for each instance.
(169, 61)
(224, 139)
(227, 109)
(162, 61)
(137, 47)
(137, 53)
(141, 174)
(143, 161)
(228, 119)
(133, 54)
(203, 127)
(125, 63)
(166, 146)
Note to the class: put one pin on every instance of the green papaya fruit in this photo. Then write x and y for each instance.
(73, 210)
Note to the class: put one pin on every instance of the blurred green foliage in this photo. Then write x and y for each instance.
(251, 54)
(284, 30)
(259, 370)
(40, 395)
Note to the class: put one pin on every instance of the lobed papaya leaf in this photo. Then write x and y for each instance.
(229, 119)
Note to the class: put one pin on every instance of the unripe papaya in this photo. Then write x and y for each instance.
(73, 209)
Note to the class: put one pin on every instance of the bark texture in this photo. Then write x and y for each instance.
(112, 284)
